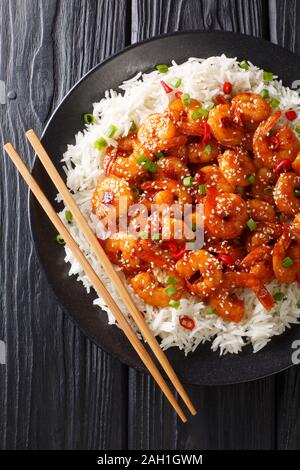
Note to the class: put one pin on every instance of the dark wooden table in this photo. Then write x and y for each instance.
(58, 390)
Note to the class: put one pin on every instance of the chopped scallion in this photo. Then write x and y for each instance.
(287, 262)
(174, 304)
(162, 68)
(251, 224)
(268, 76)
(202, 189)
(89, 118)
(186, 99)
(68, 216)
(100, 144)
(111, 130)
(188, 181)
(171, 291)
(60, 240)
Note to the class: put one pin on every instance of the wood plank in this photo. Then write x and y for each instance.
(234, 417)
(284, 30)
(153, 17)
(57, 390)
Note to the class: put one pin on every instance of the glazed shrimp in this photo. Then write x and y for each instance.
(261, 211)
(153, 292)
(168, 192)
(158, 132)
(212, 176)
(236, 166)
(264, 185)
(122, 249)
(228, 306)
(270, 150)
(225, 215)
(112, 192)
(259, 263)
(286, 249)
(219, 248)
(180, 152)
(201, 271)
(266, 233)
(201, 152)
(285, 193)
(251, 109)
(184, 117)
(171, 167)
(227, 132)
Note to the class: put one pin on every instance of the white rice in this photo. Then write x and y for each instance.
(141, 96)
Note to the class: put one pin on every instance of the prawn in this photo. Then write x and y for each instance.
(168, 191)
(285, 193)
(270, 150)
(112, 192)
(263, 186)
(251, 109)
(122, 250)
(201, 152)
(155, 292)
(225, 215)
(236, 166)
(213, 178)
(171, 167)
(223, 127)
(201, 271)
(259, 263)
(228, 306)
(266, 233)
(158, 132)
(286, 249)
(261, 211)
(186, 117)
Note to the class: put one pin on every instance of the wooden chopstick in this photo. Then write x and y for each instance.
(107, 266)
(94, 279)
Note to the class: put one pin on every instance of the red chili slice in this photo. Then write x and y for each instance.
(283, 166)
(226, 260)
(206, 136)
(220, 99)
(166, 87)
(178, 94)
(180, 254)
(291, 115)
(227, 88)
(108, 197)
(187, 323)
(274, 143)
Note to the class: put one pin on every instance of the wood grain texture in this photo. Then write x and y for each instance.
(57, 390)
(152, 17)
(285, 31)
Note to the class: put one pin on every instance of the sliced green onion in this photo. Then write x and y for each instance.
(251, 179)
(208, 105)
(186, 99)
(162, 68)
(174, 304)
(188, 181)
(68, 216)
(133, 127)
(244, 65)
(297, 129)
(207, 149)
(278, 296)
(111, 130)
(170, 280)
(100, 144)
(143, 234)
(200, 112)
(194, 226)
(298, 305)
(268, 76)
(251, 224)
(287, 262)
(265, 93)
(147, 164)
(202, 189)
(176, 82)
(211, 311)
(60, 240)
(135, 191)
(159, 154)
(275, 103)
(297, 192)
(89, 118)
(156, 237)
(171, 291)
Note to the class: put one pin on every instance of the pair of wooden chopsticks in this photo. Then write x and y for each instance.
(107, 266)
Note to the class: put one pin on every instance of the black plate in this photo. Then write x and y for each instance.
(203, 366)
